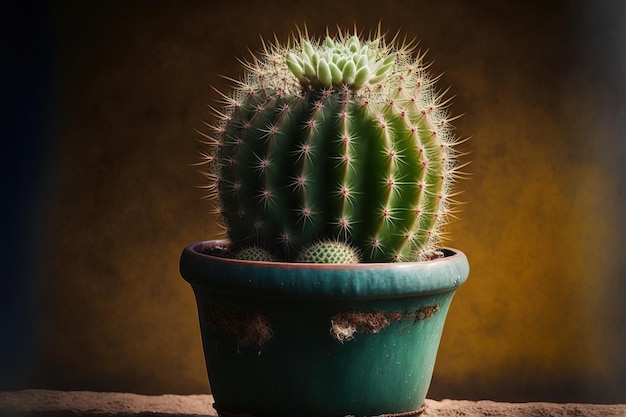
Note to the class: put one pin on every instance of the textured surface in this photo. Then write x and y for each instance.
(39, 403)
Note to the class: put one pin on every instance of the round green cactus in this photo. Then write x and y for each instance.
(328, 252)
(340, 140)
(254, 253)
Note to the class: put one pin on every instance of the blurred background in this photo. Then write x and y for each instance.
(101, 101)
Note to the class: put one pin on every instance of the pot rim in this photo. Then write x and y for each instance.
(393, 279)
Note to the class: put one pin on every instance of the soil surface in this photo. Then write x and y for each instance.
(44, 403)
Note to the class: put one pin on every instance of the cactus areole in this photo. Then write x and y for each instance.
(337, 139)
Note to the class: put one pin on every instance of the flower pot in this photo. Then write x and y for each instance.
(289, 339)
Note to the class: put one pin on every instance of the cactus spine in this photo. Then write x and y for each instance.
(340, 139)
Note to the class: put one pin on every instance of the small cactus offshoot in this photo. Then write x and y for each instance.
(254, 253)
(341, 139)
(329, 252)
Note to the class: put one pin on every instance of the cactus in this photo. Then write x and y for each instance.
(339, 139)
(328, 252)
(254, 253)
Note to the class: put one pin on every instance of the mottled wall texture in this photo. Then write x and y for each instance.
(104, 100)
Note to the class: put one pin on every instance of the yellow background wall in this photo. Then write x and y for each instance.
(541, 86)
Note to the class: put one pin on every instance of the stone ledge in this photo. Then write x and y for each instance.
(46, 403)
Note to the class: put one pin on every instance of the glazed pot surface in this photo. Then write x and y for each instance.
(285, 339)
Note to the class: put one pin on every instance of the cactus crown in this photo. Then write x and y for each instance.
(335, 64)
(339, 139)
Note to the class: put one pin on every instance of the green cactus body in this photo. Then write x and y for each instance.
(328, 252)
(302, 158)
(254, 253)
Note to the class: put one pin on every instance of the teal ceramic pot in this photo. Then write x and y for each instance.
(289, 339)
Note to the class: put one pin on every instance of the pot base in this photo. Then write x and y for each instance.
(418, 412)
